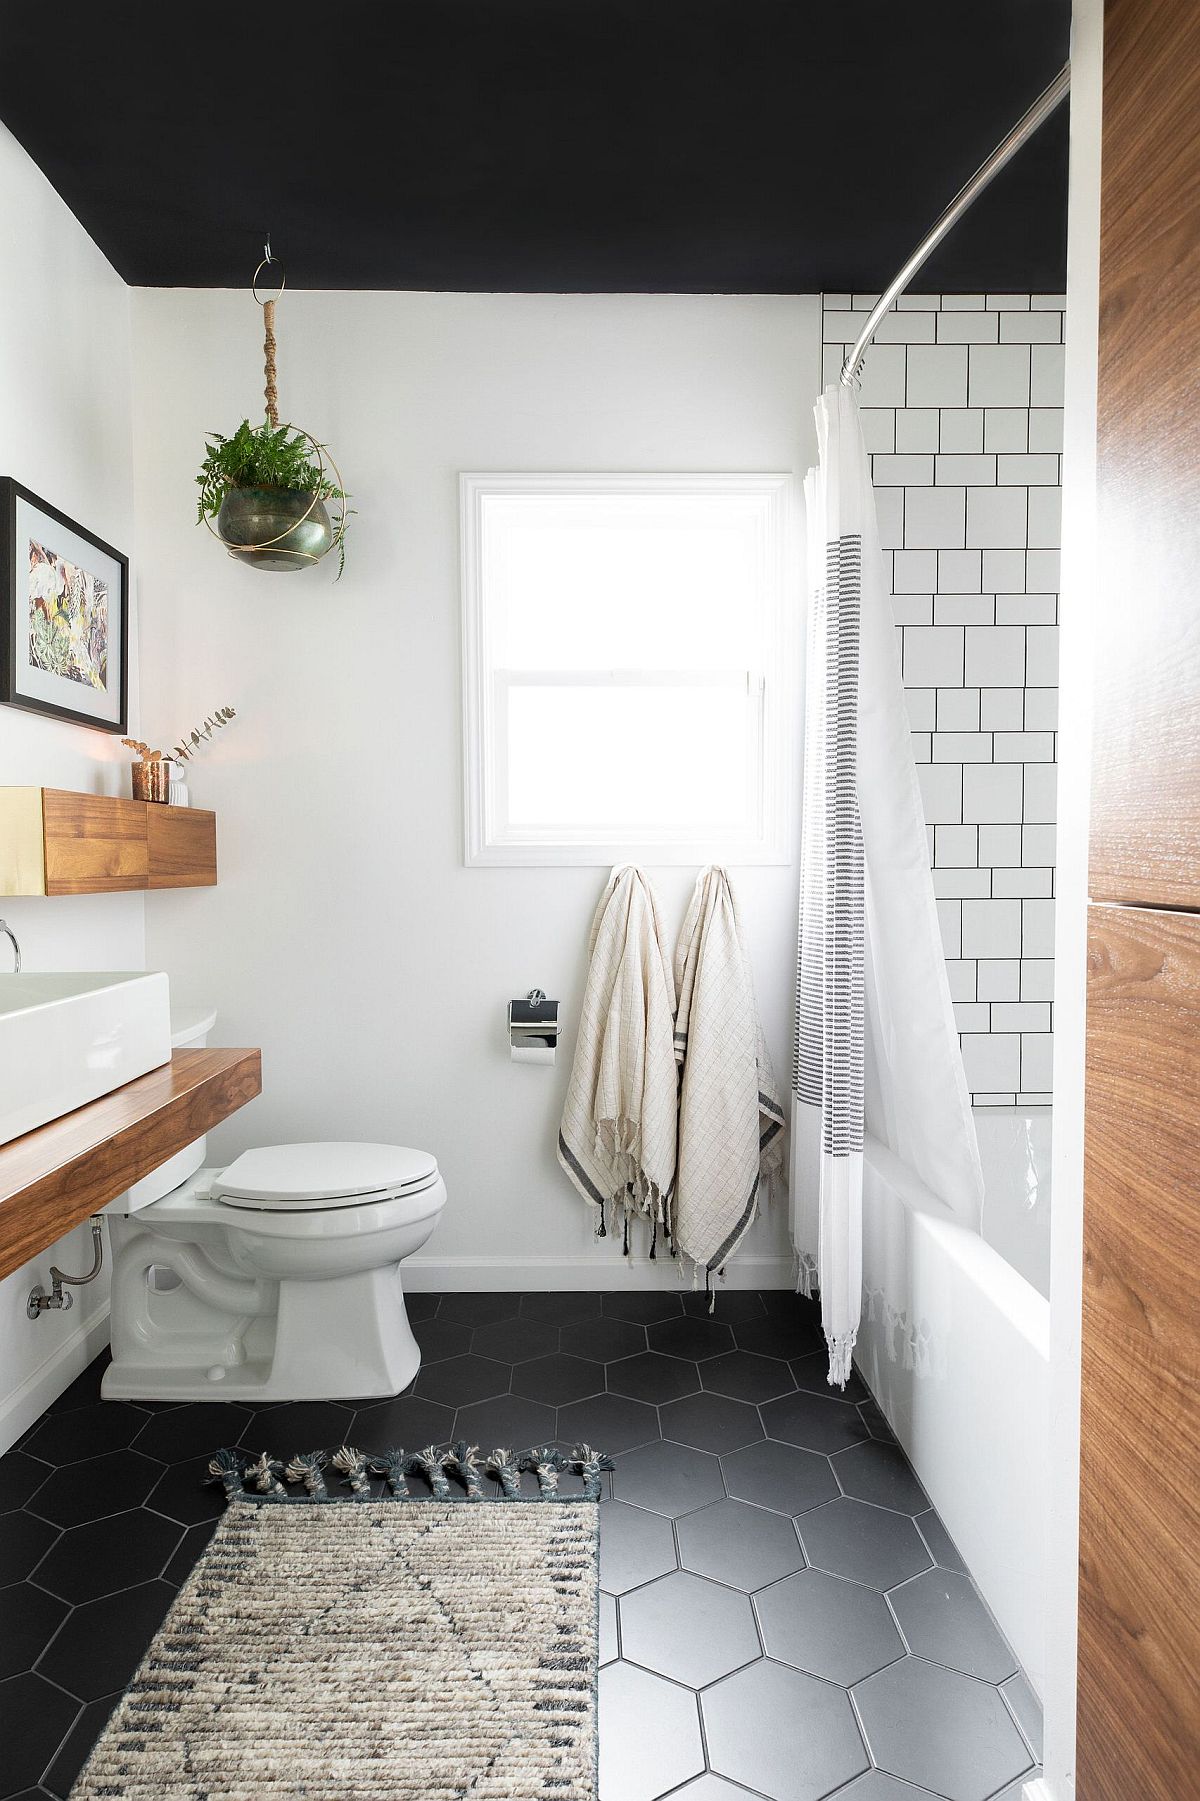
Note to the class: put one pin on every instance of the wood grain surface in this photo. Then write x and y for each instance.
(94, 843)
(1145, 831)
(1139, 1619)
(182, 843)
(53, 1178)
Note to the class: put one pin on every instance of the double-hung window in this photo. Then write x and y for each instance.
(626, 652)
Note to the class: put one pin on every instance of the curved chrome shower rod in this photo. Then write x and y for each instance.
(1021, 132)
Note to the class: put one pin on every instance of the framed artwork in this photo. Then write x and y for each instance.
(64, 615)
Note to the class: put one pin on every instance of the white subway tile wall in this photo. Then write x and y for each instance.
(962, 411)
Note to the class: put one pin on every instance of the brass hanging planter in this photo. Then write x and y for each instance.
(263, 491)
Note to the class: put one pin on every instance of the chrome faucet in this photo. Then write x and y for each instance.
(12, 939)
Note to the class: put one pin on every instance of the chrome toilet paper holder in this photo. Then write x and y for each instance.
(533, 1022)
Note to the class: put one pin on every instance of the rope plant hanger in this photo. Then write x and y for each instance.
(263, 490)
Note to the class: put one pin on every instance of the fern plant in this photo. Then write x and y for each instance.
(266, 456)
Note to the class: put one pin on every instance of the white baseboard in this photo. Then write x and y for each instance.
(69, 1359)
(424, 1275)
(1037, 1790)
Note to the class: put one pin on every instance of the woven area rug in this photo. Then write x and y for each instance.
(370, 1647)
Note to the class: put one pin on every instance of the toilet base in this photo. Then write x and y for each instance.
(346, 1338)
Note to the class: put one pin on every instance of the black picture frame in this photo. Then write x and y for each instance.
(15, 612)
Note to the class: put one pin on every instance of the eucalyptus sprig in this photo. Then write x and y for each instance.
(199, 735)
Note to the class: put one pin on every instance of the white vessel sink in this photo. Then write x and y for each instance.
(67, 1039)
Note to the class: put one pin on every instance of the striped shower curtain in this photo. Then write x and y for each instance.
(876, 1048)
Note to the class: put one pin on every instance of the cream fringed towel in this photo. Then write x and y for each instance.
(730, 1114)
(617, 1138)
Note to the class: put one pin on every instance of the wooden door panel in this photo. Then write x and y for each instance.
(1145, 832)
(1139, 1652)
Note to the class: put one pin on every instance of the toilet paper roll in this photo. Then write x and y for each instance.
(531, 1053)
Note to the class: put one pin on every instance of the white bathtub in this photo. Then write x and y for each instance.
(954, 1344)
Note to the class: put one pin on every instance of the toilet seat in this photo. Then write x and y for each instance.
(321, 1176)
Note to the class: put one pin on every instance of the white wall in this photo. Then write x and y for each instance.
(1061, 1465)
(66, 433)
(345, 936)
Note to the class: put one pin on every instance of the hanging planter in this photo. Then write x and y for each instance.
(263, 490)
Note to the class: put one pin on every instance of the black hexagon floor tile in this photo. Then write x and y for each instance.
(673, 1511)
(561, 1309)
(102, 1485)
(106, 1555)
(781, 1477)
(511, 1422)
(198, 1429)
(515, 1340)
(649, 1734)
(85, 1431)
(827, 1626)
(668, 1479)
(711, 1422)
(34, 1717)
(179, 1567)
(20, 1479)
(747, 1547)
(945, 1621)
(31, 1617)
(440, 1338)
(778, 1336)
(642, 1308)
(102, 1643)
(184, 1492)
(688, 1337)
(635, 1547)
(787, 1735)
(558, 1379)
(815, 1422)
(725, 1304)
(688, 1628)
(812, 1372)
(603, 1339)
(611, 1423)
(479, 1309)
(297, 1426)
(73, 1753)
(421, 1306)
(880, 1473)
(744, 1376)
(867, 1544)
(24, 1541)
(940, 1730)
(461, 1380)
(408, 1423)
(650, 1376)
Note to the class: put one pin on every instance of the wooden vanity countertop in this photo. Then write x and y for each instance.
(55, 1177)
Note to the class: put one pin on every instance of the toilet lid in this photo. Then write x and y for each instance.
(292, 1175)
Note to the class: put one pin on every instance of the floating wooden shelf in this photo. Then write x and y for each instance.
(55, 842)
(57, 1176)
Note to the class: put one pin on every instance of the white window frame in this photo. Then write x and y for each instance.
(489, 840)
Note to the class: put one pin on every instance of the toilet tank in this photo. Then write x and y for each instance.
(190, 1026)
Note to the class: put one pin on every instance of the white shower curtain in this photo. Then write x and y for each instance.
(876, 1047)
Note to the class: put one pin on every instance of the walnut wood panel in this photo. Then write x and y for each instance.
(1139, 1649)
(55, 842)
(94, 843)
(55, 1177)
(1146, 763)
(183, 847)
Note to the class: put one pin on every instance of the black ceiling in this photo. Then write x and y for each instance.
(696, 146)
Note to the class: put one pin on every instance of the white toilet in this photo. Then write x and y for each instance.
(277, 1278)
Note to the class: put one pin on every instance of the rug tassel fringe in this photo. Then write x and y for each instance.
(263, 1478)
